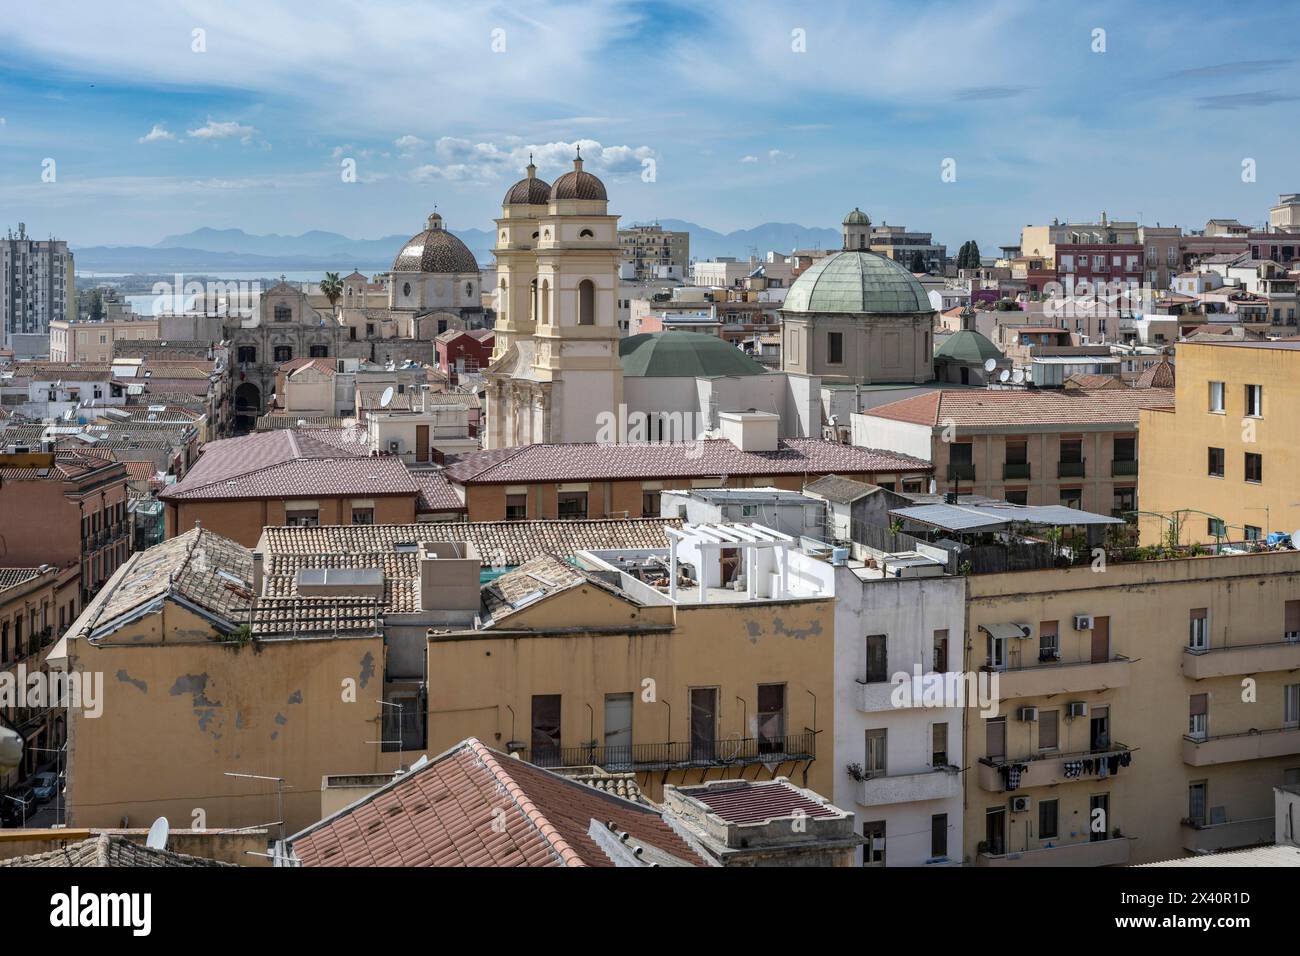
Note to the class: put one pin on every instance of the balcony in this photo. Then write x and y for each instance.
(685, 754)
(1043, 770)
(1015, 469)
(1241, 659)
(933, 783)
(1122, 468)
(1076, 677)
(884, 695)
(1230, 835)
(961, 471)
(1112, 852)
(1069, 469)
(1250, 745)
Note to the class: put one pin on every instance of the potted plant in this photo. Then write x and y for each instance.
(857, 772)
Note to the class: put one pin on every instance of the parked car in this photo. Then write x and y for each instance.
(18, 805)
(45, 786)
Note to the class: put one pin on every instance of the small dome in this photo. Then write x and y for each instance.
(435, 250)
(683, 355)
(857, 218)
(529, 191)
(579, 185)
(967, 347)
(857, 282)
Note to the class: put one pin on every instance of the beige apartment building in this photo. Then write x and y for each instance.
(1221, 463)
(76, 341)
(1146, 709)
(1076, 447)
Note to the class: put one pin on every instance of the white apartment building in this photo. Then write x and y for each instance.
(36, 284)
(897, 759)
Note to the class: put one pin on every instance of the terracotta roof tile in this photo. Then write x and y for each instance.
(974, 408)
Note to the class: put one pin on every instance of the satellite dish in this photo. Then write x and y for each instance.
(1004, 376)
(990, 364)
(1017, 376)
(158, 834)
(424, 758)
(387, 398)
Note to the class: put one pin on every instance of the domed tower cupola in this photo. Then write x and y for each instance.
(579, 184)
(857, 231)
(434, 222)
(529, 191)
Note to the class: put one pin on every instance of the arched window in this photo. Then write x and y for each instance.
(469, 290)
(283, 313)
(546, 303)
(406, 289)
(586, 302)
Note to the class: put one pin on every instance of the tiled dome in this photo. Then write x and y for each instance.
(435, 250)
(579, 185)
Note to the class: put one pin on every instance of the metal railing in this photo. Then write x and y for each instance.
(1015, 469)
(722, 752)
(964, 471)
(1123, 467)
(1069, 469)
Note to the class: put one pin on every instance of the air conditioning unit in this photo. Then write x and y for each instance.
(1028, 714)
(1021, 804)
(1083, 622)
(1077, 708)
(395, 446)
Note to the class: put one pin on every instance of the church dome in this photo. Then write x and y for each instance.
(967, 347)
(857, 218)
(529, 191)
(578, 184)
(435, 250)
(683, 355)
(857, 282)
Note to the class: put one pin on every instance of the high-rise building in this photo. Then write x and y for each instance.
(36, 284)
(655, 252)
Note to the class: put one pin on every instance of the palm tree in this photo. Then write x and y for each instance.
(332, 288)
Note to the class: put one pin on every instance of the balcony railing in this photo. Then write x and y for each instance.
(1121, 466)
(1111, 852)
(1248, 745)
(1201, 663)
(934, 783)
(957, 470)
(1229, 835)
(1069, 469)
(1072, 677)
(1043, 770)
(722, 752)
(1015, 469)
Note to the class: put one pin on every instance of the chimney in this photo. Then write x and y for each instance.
(257, 574)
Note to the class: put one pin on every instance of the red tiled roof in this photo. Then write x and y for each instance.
(305, 478)
(1063, 407)
(476, 807)
(436, 492)
(231, 457)
(708, 458)
(1160, 375)
(140, 470)
(748, 803)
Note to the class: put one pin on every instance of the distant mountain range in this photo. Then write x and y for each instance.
(233, 249)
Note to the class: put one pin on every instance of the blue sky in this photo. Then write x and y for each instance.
(150, 137)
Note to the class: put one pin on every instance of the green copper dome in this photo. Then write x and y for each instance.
(967, 347)
(857, 282)
(857, 218)
(683, 355)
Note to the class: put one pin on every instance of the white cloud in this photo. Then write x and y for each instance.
(775, 154)
(159, 132)
(749, 159)
(215, 129)
(408, 143)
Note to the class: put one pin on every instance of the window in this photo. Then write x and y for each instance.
(618, 728)
(1048, 820)
(283, 313)
(586, 302)
(1291, 622)
(1216, 527)
(771, 718)
(1198, 637)
(877, 659)
(301, 516)
(1071, 450)
(363, 515)
(283, 353)
(873, 764)
(1291, 705)
(1017, 496)
(1048, 642)
(1125, 449)
(995, 738)
(572, 505)
(406, 289)
(1216, 397)
(1049, 729)
(1196, 802)
(1215, 466)
(247, 355)
(546, 729)
(1072, 497)
(873, 851)
(1253, 532)
(938, 836)
(997, 653)
(1198, 716)
(318, 351)
(516, 507)
(941, 648)
(650, 504)
(1254, 467)
(1254, 401)
(835, 348)
(938, 745)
